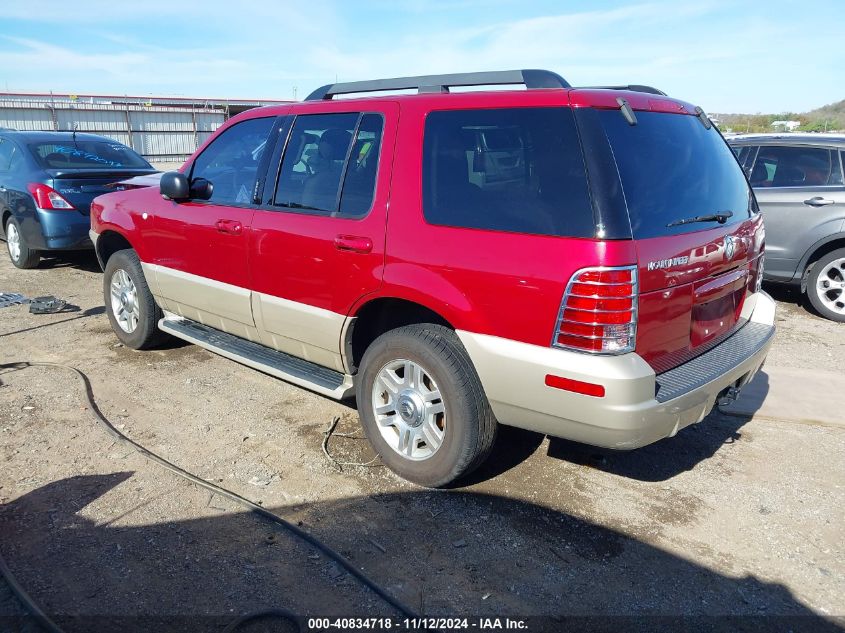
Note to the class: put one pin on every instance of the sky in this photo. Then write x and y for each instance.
(724, 55)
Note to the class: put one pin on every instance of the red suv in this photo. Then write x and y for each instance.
(582, 262)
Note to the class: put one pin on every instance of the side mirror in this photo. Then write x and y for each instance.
(201, 189)
(174, 186)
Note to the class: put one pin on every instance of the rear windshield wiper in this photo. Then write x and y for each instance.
(721, 218)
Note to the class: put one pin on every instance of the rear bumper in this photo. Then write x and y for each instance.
(638, 407)
(58, 230)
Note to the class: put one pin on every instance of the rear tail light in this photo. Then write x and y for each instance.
(598, 313)
(47, 197)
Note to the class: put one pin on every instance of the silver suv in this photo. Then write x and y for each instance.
(798, 181)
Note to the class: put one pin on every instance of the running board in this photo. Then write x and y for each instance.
(302, 373)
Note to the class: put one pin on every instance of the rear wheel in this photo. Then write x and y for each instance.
(20, 253)
(132, 310)
(422, 405)
(826, 286)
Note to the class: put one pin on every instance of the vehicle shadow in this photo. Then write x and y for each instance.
(751, 397)
(791, 294)
(513, 446)
(82, 260)
(788, 293)
(93, 567)
(656, 462)
(664, 459)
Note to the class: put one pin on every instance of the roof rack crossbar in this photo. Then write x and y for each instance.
(633, 87)
(532, 79)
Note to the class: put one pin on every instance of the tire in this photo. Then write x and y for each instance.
(826, 286)
(132, 311)
(440, 438)
(20, 253)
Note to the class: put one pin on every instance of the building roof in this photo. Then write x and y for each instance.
(155, 100)
(36, 137)
(797, 137)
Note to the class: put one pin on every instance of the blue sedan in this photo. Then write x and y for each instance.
(47, 183)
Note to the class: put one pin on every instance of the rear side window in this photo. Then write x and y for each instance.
(82, 154)
(515, 169)
(330, 164)
(674, 168)
(7, 151)
(796, 166)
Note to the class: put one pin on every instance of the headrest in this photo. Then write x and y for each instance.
(334, 143)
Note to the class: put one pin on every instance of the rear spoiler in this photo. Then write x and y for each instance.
(138, 182)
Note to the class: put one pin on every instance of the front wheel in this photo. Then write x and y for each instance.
(132, 310)
(826, 286)
(422, 405)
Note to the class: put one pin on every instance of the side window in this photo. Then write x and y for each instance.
(6, 152)
(16, 163)
(837, 177)
(796, 166)
(359, 183)
(515, 169)
(231, 162)
(330, 164)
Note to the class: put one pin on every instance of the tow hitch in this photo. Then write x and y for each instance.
(727, 395)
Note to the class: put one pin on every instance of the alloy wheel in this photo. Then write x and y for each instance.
(830, 286)
(13, 241)
(409, 409)
(124, 301)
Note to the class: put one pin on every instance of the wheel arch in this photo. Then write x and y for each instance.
(816, 252)
(108, 243)
(379, 315)
(5, 216)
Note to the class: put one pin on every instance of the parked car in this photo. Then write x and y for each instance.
(797, 179)
(47, 183)
(609, 294)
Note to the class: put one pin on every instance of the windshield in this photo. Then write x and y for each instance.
(673, 168)
(84, 154)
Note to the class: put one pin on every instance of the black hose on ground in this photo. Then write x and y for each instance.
(34, 610)
(91, 404)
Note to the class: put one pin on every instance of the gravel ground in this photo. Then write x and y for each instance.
(733, 517)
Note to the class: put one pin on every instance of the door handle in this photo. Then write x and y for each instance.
(818, 201)
(353, 243)
(230, 227)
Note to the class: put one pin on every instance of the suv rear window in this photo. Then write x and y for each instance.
(514, 169)
(86, 155)
(672, 168)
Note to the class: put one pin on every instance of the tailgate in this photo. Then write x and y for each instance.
(694, 223)
(693, 288)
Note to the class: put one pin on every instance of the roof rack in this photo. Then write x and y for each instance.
(532, 79)
(633, 87)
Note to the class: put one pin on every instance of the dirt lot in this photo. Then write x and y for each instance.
(734, 517)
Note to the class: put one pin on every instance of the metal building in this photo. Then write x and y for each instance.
(162, 129)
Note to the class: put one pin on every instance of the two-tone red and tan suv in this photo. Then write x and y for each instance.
(582, 262)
